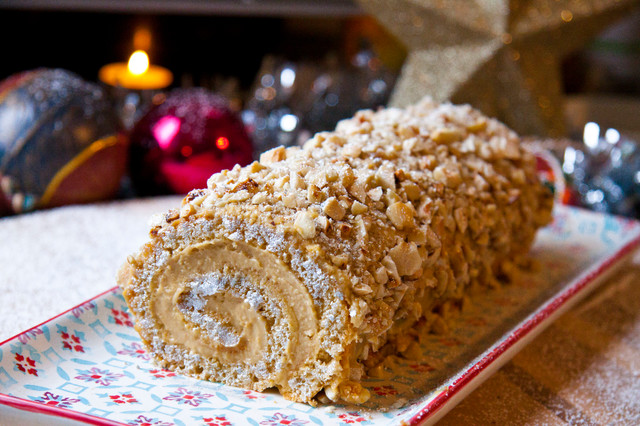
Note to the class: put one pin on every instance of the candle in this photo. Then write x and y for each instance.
(137, 74)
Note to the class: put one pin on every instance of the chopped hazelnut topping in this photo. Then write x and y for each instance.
(273, 156)
(412, 190)
(171, 216)
(478, 126)
(446, 135)
(351, 150)
(400, 214)
(259, 198)
(314, 194)
(386, 178)
(333, 209)
(376, 193)
(339, 260)
(296, 181)
(358, 208)
(358, 190)
(380, 275)
(406, 258)
(305, 225)
(361, 289)
(460, 216)
(187, 210)
(323, 222)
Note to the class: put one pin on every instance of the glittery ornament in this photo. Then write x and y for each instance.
(604, 171)
(500, 56)
(601, 172)
(183, 139)
(293, 100)
(58, 142)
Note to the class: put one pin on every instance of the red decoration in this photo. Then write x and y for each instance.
(182, 140)
(59, 142)
(26, 364)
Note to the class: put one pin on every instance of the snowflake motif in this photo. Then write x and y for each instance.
(351, 417)
(84, 307)
(135, 350)
(125, 398)
(146, 421)
(53, 400)
(252, 395)
(185, 396)
(216, 421)
(281, 419)
(26, 364)
(421, 368)
(101, 377)
(28, 335)
(71, 342)
(385, 390)
(161, 373)
(121, 318)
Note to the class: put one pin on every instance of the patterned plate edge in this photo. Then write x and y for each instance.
(96, 297)
(35, 407)
(535, 322)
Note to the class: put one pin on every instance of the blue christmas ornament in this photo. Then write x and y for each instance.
(58, 142)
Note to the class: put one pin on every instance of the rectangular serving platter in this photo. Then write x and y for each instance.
(88, 364)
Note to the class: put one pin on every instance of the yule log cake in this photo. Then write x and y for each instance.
(295, 271)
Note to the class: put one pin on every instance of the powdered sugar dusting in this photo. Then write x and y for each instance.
(584, 370)
(317, 281)
(67, 255)
(194, 301)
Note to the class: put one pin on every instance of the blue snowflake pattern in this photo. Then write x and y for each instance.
(101, 377)
(281, 419)
(185, 396)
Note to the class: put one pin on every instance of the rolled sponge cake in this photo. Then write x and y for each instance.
(293, 271)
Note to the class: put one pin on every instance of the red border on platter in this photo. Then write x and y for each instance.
(97, 296)
(430, 409)
(550, 308)
(35, 407)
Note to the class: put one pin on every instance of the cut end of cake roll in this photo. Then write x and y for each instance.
(293, 271)
(231, 312)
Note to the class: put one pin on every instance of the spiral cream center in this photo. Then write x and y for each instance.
(236, 304)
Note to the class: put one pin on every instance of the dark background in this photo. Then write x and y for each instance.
(196, 48)
(205, 40)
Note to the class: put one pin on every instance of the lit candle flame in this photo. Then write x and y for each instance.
(137, 74)
(138, 62)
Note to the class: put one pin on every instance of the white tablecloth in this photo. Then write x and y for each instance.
(52, 260)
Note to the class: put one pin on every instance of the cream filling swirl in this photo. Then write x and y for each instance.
(235, 304)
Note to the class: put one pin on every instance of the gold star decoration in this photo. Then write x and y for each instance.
(501, 56)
